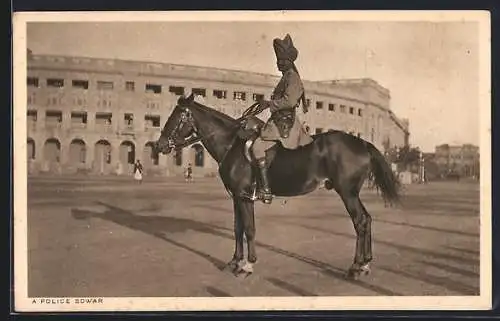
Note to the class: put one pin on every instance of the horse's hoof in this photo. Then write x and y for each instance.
(365, 272)
(365, 269)
(238, 272)
(245, 275)
(241, 274)
(352, 275)
(230, 267)
(243, 269)
(356, 273)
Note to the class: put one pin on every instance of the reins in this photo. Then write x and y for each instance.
(253, 110)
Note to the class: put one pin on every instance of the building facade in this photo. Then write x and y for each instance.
(458, 159)
(87, 115)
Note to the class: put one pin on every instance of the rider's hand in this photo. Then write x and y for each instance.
(264, 104)
(273, 107)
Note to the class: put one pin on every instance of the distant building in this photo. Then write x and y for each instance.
(99, 115)
(462, 160)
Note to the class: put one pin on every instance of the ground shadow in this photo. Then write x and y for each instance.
(450, 269)
(316, 216)
(426, 205)
(157, 226)
(289, 287)
(216, 292)
(407, 248)
(346, 216)
(444, 282)
(161, 226)
(328, 269)
(428, 228)
(150, 208)
(466, 251)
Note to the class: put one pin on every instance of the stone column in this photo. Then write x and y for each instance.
(115, 155)
(39, 143)
(116, 118)
(164, 165)
(139, 123)
(89, 154)
(139, 149)
(66, 120)
(64, 151)
(90, 120)
(40, 119)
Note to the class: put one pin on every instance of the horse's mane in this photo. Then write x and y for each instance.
(214, 112)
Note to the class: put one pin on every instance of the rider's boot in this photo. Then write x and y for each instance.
(265, 193)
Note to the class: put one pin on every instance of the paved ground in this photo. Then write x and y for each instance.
(111, 237)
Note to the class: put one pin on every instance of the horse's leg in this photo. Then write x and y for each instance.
(367, 247)
(238, 236)
(360, 221)
(248, 219)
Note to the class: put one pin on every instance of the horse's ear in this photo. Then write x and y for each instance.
(183, 100)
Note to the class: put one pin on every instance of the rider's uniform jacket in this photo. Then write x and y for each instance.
(288, 91)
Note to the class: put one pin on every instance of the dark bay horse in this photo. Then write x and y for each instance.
(339, 160)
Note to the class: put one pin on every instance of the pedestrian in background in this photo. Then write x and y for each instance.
(189, 173)
(138, 170)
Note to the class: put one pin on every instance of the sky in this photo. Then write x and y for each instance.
(431, 69)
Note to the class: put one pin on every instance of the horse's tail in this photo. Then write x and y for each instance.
(384, 177)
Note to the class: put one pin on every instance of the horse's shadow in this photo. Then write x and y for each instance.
(157, 226)
(162, 226)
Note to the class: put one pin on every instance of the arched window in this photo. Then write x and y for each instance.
(127, 152)
(149, 154)
(102, 152)
(77, 151)
(52, 150)
(31, 148)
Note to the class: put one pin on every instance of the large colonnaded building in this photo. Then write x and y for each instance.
(88, 115)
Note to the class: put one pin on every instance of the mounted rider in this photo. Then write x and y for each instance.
(283, 125)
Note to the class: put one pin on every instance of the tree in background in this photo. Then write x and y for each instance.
(406, 158)
(432, 171)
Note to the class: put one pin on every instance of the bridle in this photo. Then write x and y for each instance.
(186, 118)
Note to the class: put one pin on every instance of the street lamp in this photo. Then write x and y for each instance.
(422, 168)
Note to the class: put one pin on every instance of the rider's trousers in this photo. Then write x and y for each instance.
(260, 147)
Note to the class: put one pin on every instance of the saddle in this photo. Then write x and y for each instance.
(250, 128)
(249, 131)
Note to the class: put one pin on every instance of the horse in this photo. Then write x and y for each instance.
(334, 159)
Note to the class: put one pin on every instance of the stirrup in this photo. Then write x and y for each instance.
(266, 197)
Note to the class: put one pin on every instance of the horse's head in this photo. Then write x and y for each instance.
(179, 127)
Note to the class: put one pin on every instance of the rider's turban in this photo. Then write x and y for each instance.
(284, 49)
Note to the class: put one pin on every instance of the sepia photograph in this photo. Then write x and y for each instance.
(218, 161)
